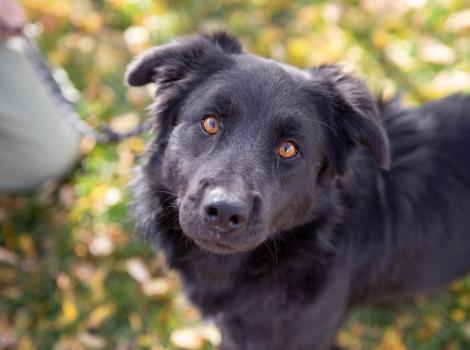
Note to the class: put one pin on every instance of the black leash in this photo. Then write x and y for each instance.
(103, 134)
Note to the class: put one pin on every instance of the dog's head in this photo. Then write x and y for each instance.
(244, 142)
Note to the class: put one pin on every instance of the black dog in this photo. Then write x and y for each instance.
(285, 197)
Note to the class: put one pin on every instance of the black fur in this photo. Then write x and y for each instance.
(375, 205)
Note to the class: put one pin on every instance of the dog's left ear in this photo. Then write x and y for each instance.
(176, 60)
(352, 118)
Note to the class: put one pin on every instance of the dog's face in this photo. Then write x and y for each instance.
(245, 142)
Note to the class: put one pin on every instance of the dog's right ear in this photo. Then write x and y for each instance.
(176, 60)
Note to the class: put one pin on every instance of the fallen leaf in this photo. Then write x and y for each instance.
(458, 21)
(187, 338)
(99, 315)
(435, 52)
(92, 341)
(137, 269)
(8, 256)
(101, 245)
(157, 287)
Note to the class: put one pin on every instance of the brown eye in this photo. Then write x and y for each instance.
(210, 124)
(288, 149)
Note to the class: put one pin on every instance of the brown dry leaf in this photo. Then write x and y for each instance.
(466, 329)
(92, 341)
(68, 343)
(8, 256)
(7, 337)
(67, 196)
(87, 144)
(125, 344)
(83, 271)
(63, 281)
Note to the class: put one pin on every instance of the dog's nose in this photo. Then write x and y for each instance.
(223, 210)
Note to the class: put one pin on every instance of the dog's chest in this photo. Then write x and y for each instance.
(241, 285)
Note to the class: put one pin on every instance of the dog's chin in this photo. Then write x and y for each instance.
(218, 244)
(219, 248)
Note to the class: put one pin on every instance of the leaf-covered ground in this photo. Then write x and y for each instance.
(74, 275)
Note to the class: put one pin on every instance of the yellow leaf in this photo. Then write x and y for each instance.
(99, 314)
(136, 145)
(379, 39)
(458, 315)
(27, 245)
(298, 50)
(97, 285)
(391, 340)
(69, 309)
(25, 343)
(98, 193)
(146, 340)
(92, 23)
(135, 321)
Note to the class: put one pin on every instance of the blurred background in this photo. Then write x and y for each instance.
(75, 275)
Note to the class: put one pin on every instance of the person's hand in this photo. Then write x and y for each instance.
(12, 19)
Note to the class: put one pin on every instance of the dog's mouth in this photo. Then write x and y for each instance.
(224, 243)
(216, 246)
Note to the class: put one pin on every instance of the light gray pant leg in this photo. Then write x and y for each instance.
(36, 143)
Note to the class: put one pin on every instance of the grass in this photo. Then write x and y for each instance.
(74, 275)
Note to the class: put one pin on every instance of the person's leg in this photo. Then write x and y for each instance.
(36, 143)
